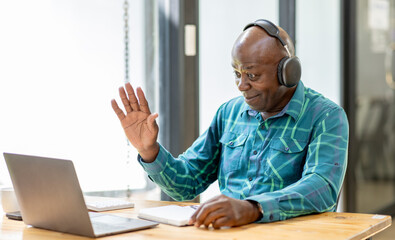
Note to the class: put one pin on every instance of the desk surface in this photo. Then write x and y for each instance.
(318, 226)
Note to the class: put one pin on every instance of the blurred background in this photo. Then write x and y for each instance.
(61, 62)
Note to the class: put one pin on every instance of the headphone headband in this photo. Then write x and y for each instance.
(271, 29)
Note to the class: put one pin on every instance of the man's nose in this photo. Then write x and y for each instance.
(243, 83)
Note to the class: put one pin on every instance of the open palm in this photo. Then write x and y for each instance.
(138, 123)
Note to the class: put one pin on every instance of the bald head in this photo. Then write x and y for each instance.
(264, 45)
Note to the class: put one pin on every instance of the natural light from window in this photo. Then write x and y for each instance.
(61, 64)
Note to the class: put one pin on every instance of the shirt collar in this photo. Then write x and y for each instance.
(246, 110)
(293, 108)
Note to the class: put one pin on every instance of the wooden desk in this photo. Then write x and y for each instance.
(318, 226)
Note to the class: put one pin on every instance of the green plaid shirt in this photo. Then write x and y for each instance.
(293, 163)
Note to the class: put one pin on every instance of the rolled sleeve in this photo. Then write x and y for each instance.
(156, 166)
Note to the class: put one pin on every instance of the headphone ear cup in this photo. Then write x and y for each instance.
(289, 71)
(280, 70)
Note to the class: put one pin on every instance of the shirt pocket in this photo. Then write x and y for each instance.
(286, 159)
(232, 148)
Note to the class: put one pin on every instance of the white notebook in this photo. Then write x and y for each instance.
(170, 214)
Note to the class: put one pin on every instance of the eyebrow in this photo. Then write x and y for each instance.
(245, 68)
(249, 67)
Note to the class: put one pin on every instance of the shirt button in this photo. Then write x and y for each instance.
(250, 178)
(255, 152)
(252, 113)
(231, 143)
(287, 149)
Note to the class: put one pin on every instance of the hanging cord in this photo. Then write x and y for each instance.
(126, 38)
(126, 58)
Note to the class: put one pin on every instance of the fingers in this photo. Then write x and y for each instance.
(125, 100)
(220, 222)
(213, 216)
(143, 101)
(151, 121)
(203, 212)
(117, 110)
(134, 103)
(195, 214)
(131, 102)
(222, 211)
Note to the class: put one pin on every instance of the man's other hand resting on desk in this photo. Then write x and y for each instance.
(278, 151)
(225, 211)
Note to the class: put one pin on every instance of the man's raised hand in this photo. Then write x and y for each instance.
(138, 123)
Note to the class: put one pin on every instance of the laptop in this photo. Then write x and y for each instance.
(50, 197)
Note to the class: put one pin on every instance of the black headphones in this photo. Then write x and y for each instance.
(289, 69)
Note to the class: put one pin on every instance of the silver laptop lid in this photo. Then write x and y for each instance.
(49, 194)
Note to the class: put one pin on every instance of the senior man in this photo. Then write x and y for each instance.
(278, 151)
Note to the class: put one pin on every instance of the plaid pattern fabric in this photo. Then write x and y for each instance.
(292, 164)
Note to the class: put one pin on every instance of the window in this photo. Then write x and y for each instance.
(61, 64)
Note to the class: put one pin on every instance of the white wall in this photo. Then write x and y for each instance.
(221, 22)
(318, 45)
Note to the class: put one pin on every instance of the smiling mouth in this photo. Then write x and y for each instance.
(250, 97)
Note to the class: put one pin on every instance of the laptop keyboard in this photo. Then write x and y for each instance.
(106, 204)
